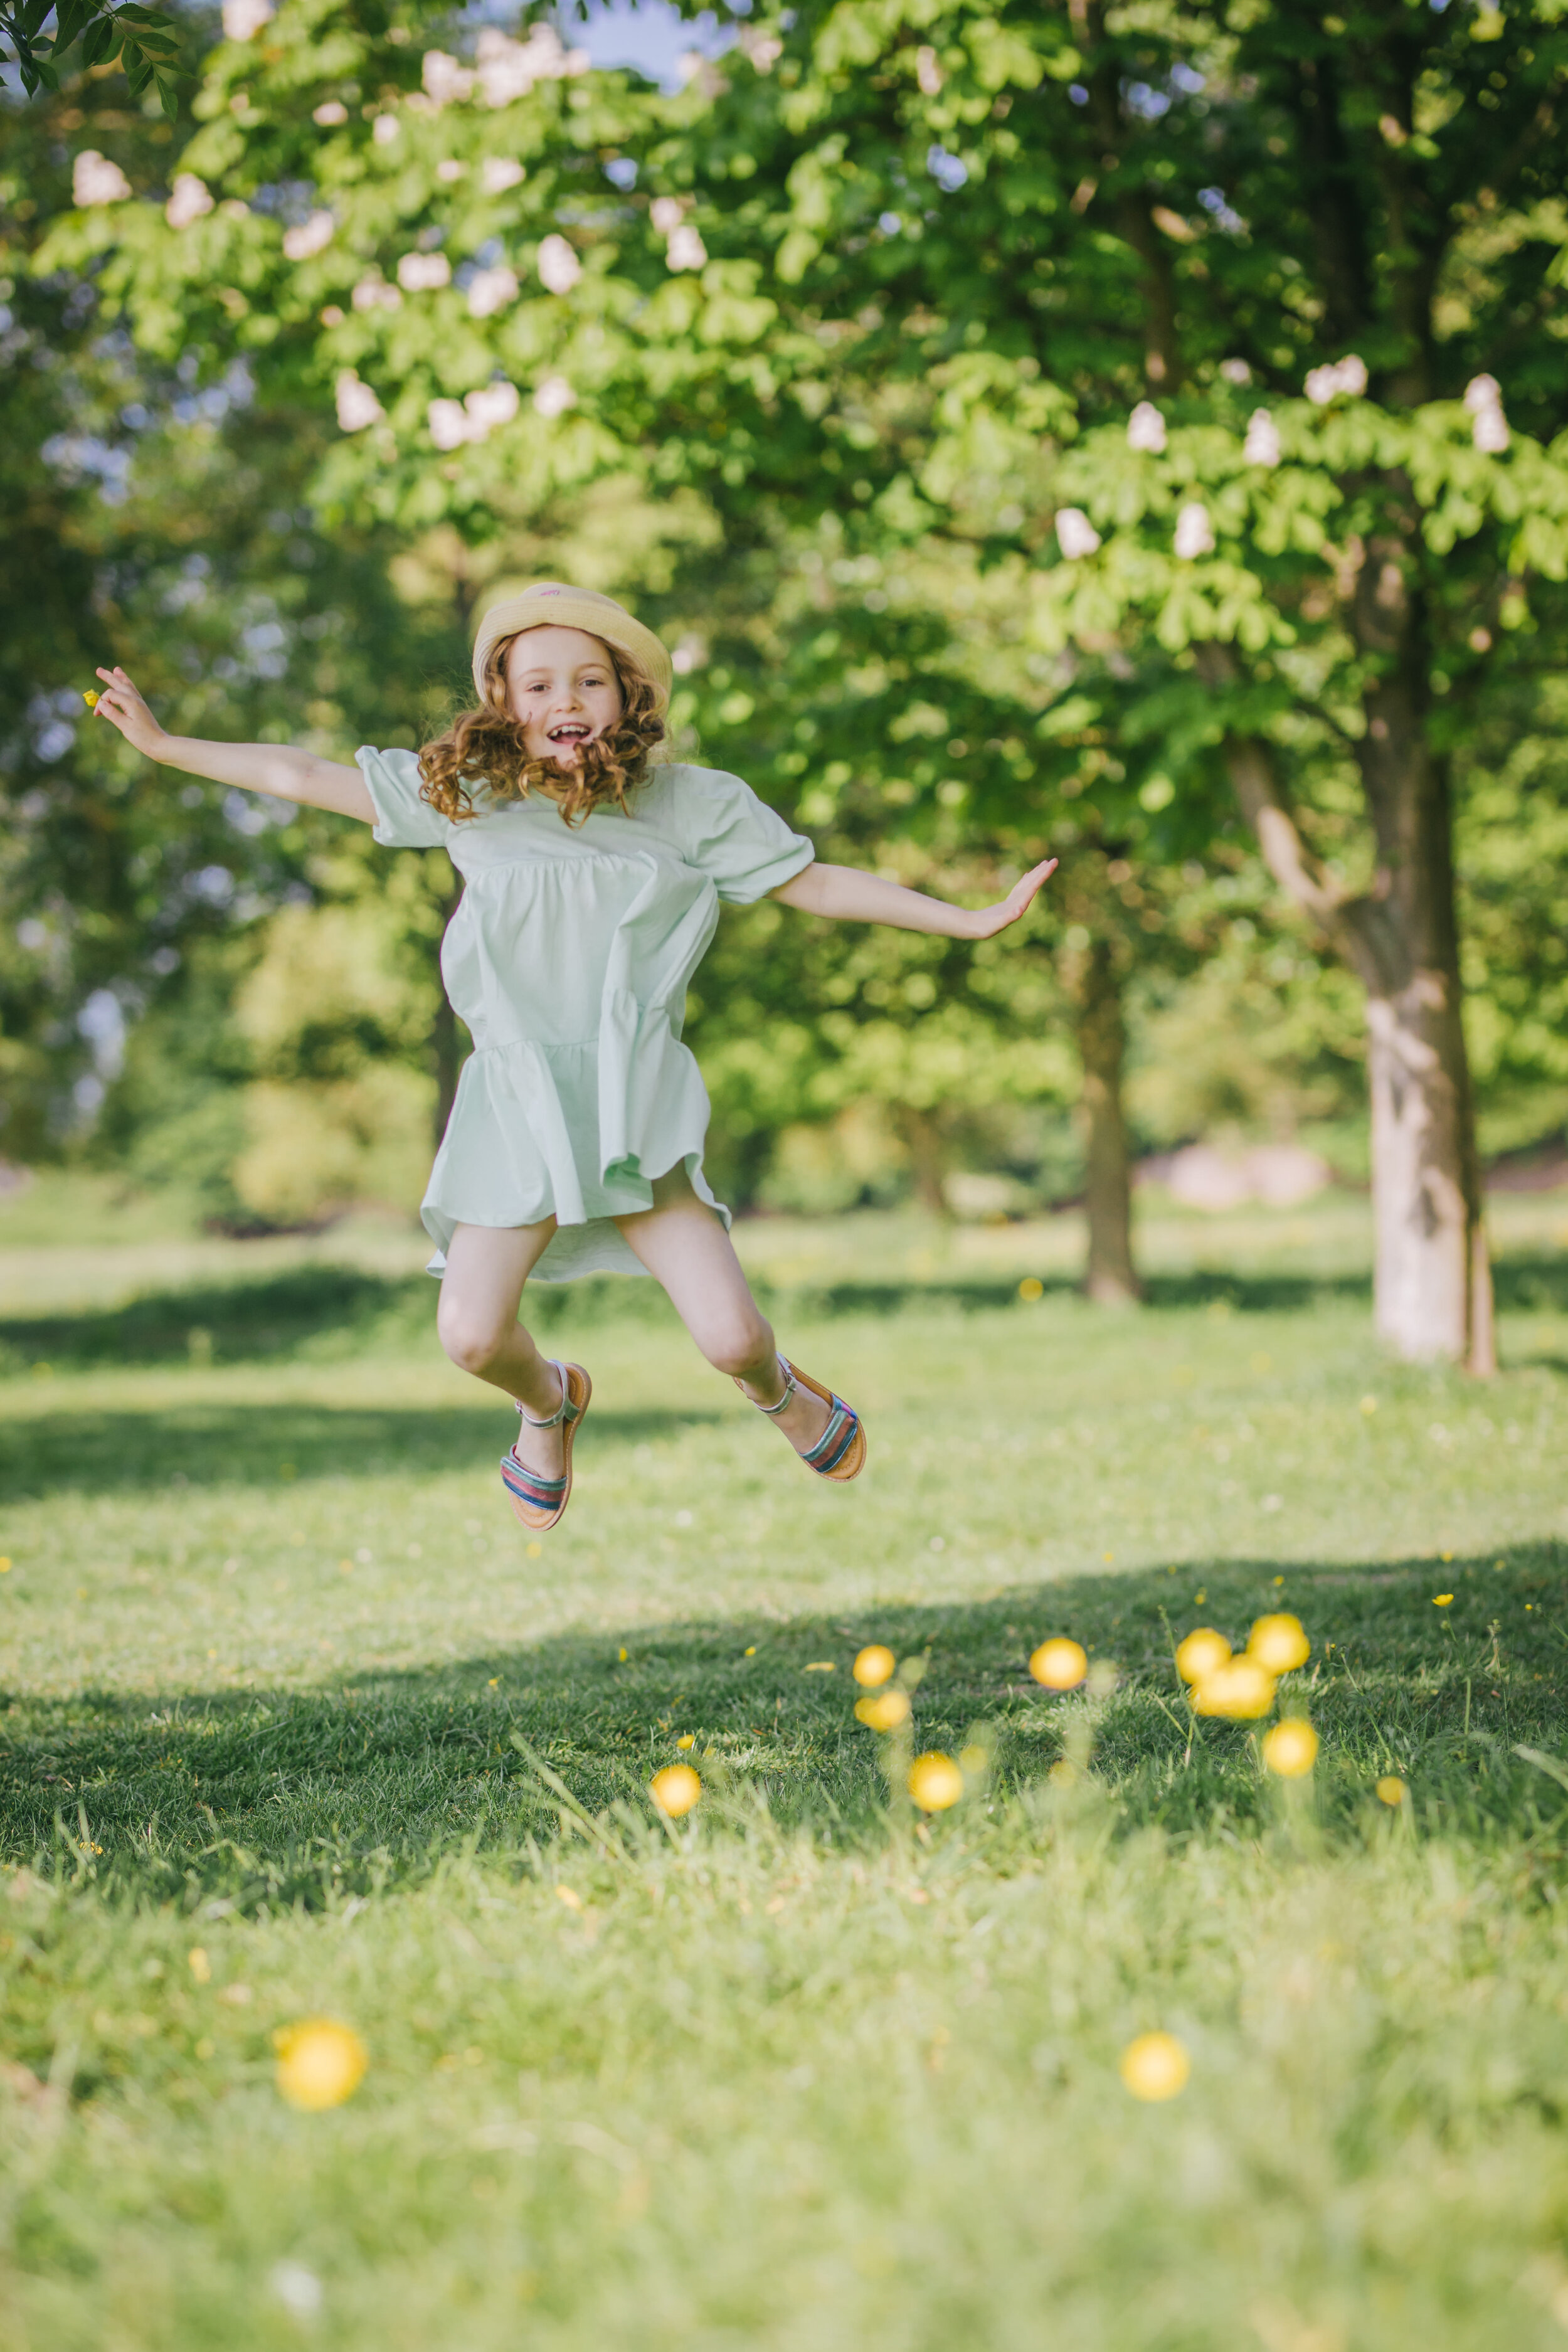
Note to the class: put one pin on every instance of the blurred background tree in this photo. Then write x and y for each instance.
(825, 360)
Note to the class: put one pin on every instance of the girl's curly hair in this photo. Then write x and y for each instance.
(483, 750)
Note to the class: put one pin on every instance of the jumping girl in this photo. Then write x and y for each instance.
(594, 865)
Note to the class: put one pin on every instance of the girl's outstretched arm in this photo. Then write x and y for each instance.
(850, 895)
(275, 768)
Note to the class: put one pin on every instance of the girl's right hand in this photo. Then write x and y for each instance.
(121, 702)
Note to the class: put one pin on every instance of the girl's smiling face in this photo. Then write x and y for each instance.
(561, 688)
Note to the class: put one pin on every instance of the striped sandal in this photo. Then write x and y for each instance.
(840, 1452)
(539, 1501)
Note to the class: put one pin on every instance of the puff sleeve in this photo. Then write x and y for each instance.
(737, 839)
(403, 821)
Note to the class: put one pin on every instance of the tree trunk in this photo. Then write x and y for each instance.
(1432, 1278)
(1102, 1048)
(1432, 1282)
(1432, 1275)
(922, 1139)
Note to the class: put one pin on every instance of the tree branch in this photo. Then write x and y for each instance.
(1355, 926)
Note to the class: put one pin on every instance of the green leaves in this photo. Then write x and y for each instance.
(147, 43)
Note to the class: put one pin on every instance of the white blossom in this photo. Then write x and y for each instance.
(243, 19)
(1146, 429)
(686, 250)
(357, 404)
(1194, 534)
(667, 213)
(1236, 372)
(1262, 444)
(1345, 377)
(491, 290)
(383, 130)
(508, 69)
(444, 80)
(188, 199)
(1076, 535)
(423, 273)
(331, 113)
(1489, 430)
(492, 404)
(500, 172)
(311, 236)
(928, 72)
(449, 170)
(553, 396)
(474, 418)
(559, 267)
(96, 181)
(374, 293)
(448, 423)
(763, 49)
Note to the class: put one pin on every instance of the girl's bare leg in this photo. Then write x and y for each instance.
(486, 1266)
(686, 1248)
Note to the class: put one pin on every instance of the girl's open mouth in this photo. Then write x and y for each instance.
(569, 732)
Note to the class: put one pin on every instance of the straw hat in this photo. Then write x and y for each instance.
(550, 605)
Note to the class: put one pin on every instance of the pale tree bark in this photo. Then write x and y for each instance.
(1432, 1281)
(920, 1134)
(1094, 984)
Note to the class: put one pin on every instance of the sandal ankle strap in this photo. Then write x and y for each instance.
(789, 1380)
(559, 1416)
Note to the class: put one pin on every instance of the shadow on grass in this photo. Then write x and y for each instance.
(261, 1797)
(272, 1446)
(326, 1309)
(331, 1309)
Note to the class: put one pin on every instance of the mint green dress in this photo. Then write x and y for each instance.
(569, 958)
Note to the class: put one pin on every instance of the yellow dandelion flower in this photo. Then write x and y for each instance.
(687, 1739)
(874, 1666)
(1392, 1789)
(884, 1712)
(1241, 1690)
(1442, 1601)
(935, 1783)
(1202, 1652)
(320, 2063)
(1031, 1288)
(90, 698)
(200, 1967)
(674, 1790)
(1155, 2066)
(1278, 1644)
(1060, 1664)
(1290, 1749)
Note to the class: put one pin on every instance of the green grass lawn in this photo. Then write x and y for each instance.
(797, 2073)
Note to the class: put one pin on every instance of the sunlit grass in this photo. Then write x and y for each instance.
(298, 1728)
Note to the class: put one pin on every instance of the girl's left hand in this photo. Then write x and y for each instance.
(989, 920)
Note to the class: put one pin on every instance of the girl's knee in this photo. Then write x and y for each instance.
(738, 1345)
(471, 1337)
